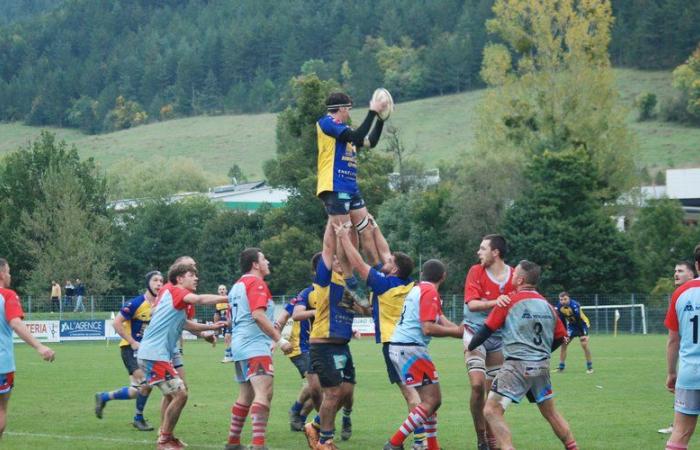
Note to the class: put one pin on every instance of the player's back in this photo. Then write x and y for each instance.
(332, 321)
(421, 304)
(388, 296)
(301, 329)
(529, 328)
(685, 302)
(167, 322)
(247, 339)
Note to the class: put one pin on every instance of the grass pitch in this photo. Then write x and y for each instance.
(620, 406)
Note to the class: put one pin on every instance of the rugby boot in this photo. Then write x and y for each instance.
(482, 446)
(169, 443)
(142, 425)
(389, 446)
(257, 447)
(346, 432)
(312, 435)
(295, 421)
(99, 405)
(328, 445)
(235, 447)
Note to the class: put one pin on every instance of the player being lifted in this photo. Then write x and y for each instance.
(531, 331)
(577, 324)
(252, 316)
(337, 166)
(11, 316)
(390, 283)
(485, 283)
(130, 324)
(157, 349)
(683, 357)
(421, 319)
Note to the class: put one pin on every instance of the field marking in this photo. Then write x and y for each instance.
(105, 439)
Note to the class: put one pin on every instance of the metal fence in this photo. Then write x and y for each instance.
(639, 313)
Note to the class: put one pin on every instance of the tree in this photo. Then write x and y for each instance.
(126, 114)
(686, 79)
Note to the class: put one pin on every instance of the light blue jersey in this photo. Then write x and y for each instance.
(684, 317)
(422, 304)
(10, 308)
(167, 322)
(247, 339)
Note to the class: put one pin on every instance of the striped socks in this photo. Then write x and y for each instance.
(259, 414)
(415, 419)
(238, 414)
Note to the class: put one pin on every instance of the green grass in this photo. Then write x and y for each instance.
(620, 406)
(437, 128)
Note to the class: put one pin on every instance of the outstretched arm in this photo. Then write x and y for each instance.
(357, 136)
(383, 249)
(205, 299)
(351, 253)
(444, 328)
(480, 337)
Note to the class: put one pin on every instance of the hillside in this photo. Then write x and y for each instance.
(436, 128)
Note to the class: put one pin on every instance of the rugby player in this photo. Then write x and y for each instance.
(337, 166)
(223, 313)
(682, 273)
(156, 352)
(299, 356)
(130, 324)
(577, 325)
(420, 320)
(390, 283)
(683, 357)
(486, 283)
(252, 318)
(531, 331)
(11, 316)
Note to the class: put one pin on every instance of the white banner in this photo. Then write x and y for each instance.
(365, 325)
(43, 330)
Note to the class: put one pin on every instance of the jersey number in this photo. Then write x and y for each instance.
(538, 334)
(234, 314)
(695, 329)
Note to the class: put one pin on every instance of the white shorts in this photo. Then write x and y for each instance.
(518, 379)
(687, 401)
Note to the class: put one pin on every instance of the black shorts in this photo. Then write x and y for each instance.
(333, 364)
(302, 363)
(390, 369)
(129, 359)
(576, 331)
(341, 203)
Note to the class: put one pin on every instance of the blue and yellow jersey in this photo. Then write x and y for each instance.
(332, 321)
(388, 295)
(299, 338)
(138, 315)
(572, 315)
(337, 161)
(221, 308)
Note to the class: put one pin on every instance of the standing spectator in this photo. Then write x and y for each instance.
(79, 294)
(69, 291)
(55, 296)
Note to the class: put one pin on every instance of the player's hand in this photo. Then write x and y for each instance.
(218, 325)
(286, 348)
(671, 382)
(502, 300)
(210, 337)
(46, 353)
(340, 230)
(135, 345)
(377, 106)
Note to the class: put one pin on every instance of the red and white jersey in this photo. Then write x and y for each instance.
(10, 308)
(683, 317)
(247, 339)
(481, 284)
(422, 304)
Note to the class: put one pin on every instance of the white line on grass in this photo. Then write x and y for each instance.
(101, 439)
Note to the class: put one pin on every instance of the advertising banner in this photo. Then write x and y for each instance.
(365, 325)
(43, 330)
(82, 330)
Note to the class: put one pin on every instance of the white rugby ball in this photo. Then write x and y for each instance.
(383, 96)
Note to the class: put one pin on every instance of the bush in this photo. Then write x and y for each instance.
(646, 103)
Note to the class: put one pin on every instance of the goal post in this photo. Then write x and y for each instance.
(633, 317)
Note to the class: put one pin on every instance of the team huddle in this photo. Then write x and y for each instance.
(509, 330)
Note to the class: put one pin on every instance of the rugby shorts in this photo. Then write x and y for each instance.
(302, 363)
(413, 364)
(341, 203)
(257, 365)
(394, 377)
(687, 401)
(333, 364)
(518, 379)
(7, 382)
(157, 371)
(129, 359)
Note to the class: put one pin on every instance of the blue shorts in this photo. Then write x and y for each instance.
(576, 331)
(341, 203)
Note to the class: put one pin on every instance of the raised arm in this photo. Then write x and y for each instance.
(383, 249)
(358, 135)
(353, 256)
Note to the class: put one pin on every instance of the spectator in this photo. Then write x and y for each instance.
(55, 296)
(69, 291)
(79, 294)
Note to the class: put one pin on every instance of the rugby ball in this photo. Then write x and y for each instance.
(381, 95)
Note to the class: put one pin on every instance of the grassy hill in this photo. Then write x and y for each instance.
(437, 128)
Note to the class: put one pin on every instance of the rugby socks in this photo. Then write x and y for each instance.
(317, 422)
(562, 366)
(119, 394)
(347, 422)
(326, 435)
(431, 433)
(589, 365)
(238, 414)
(259, 414)
(415, 419)
(140, 405)
(571, 445)
(419, 435)
(296, 407)
(675, 446)
(491, 440)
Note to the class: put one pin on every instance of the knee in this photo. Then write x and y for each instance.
(491, 410)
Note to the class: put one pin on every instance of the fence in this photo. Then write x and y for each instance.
(639, 313)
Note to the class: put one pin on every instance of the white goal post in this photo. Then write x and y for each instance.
(610, 309)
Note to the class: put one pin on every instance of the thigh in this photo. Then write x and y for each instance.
(475, 360)
(129, 359)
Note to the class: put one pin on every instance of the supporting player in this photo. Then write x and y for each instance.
(421, 319)
(11, 316)
(390, 284)
(577, 325)
(485, 283)
(331, 359)
(531, 331)
(155, 354)
(252, 312)
(683, 355)
(223, 313)
(130, 323)
(682, 273)
(337, 165)
(299, 356)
